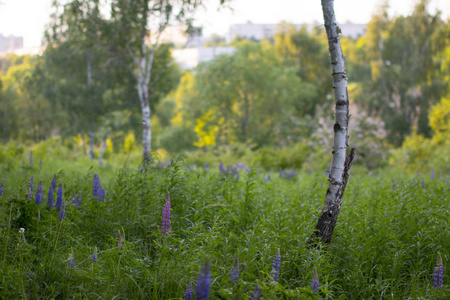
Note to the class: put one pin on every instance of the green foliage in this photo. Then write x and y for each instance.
(288, 157)
(385, 243)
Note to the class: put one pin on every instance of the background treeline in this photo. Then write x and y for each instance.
(268, 102)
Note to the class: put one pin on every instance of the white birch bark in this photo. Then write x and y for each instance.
(341, 164)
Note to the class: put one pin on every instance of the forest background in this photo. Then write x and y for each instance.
(267, 103)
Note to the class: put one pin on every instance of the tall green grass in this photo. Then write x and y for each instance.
(384, 247)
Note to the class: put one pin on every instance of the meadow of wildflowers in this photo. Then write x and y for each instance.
(219, 233)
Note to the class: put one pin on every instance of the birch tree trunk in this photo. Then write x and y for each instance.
(341, 163)
(142, 75)
(91, 144)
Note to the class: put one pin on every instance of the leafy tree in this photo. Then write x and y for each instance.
(406, 77)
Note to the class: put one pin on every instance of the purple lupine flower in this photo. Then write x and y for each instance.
(281, 173)
(120, 241)
(315, 282)
(203, 282)
(423, 183)
(101, 194)
(221, 170)
(30, 188)
(237, 177)
(71, 260)
(166, 228)
(256, 293)
(94, 255)
(438, 275)
(205, 166)
(321, 185)
(432, 174)
(309, 172)
(31, 158)
(54, 182)
(234, 172)
(276, 266)
(50, 198)
(288, 176)
(79, 200)
(265, 180)
(95, 185)
(38, 197)
(2, 189)
(188, 292)
(62, 212)
(234, 273)
(59, 197)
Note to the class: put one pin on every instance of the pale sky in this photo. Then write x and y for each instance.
(27, 18)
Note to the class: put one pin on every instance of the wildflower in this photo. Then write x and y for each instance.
(268, 177)
(265, 180)
(188, 292)
(234, 273)
(31, 158)
(309, 172)
(315, 282)
(79, 200)
(38, 197)
(281, 173)
(276, 266)
(203, 282)
(21, 230)
(50, 198)
(234, 171)
(166, 228)
(206, 166)
(71, 260)
(438, 275)
(94, 255)
(432, 174)
(101, 194)
(423, 183)
(30, 187)
(54, 182)
(120, 242)
(237, 177)
(62, 212)
(256, 293)
(221, 170)
(2, 188)
(95, 185)
(59, 197)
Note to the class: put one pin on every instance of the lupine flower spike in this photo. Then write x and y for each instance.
(94, 255)
(315, 282)
(59, 197)
(438, 275)
(234, 273)
(54, 182)
(71, 260)
(166, 228)
(276, 266)
(38, 197)
(101, 194)
(423, 183)
(62, 212)
(203, 282)
(120, 242)
(221, 170)
(2, 189)
(30, 188)
(50, 198)
(95, 185)
(74, 197)
(432, 174)
(256, 293)
(79, 200)
(188, 292)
